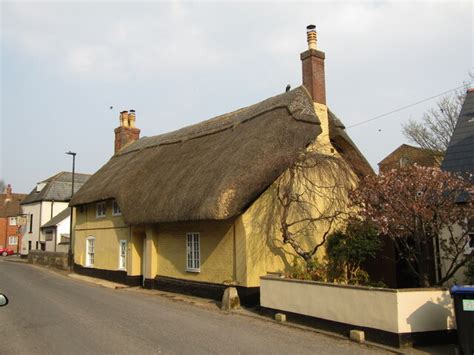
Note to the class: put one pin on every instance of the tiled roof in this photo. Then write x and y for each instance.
(10, 207)
(460, 154)
(57, 188)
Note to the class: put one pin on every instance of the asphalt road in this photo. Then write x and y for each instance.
(50, 313)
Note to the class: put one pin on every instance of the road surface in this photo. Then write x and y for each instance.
(50, 313)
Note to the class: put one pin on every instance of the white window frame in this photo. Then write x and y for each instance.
(14, 238)
(90, 252)
(122, 257)
(193, 252)
(116, 211)
(100, 210)
(12, 221)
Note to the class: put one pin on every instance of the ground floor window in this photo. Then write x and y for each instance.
(13, 240)
(123, 255)
(193, 260)
(90, 251)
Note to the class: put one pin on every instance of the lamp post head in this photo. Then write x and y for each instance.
(70, 153)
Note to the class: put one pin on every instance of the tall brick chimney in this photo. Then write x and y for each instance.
(126, 133)
(313, 68)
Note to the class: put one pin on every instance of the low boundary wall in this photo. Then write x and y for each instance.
(57, 260)
(396, 317)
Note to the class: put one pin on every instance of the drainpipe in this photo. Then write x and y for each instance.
(39, 224)
(54, 239)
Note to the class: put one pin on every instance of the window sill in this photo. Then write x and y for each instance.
(194, 271)
(99, 217)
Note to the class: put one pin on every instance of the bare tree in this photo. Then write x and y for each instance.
(2, 186)
(437, 125)
(312, 195)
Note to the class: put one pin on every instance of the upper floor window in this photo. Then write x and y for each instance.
(100, 209)
(116, 211)
(193, 258)
(31, 223)
(12, 221)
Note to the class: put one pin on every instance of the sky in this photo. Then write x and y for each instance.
(64, 64)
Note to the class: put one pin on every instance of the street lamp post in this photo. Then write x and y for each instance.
(70, 257)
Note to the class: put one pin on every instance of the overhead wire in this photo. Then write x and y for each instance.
(407, 106)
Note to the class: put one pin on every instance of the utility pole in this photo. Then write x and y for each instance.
(70, 251)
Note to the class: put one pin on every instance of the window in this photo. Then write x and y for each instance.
(48, 235)
(31, 224)
(13, 240)
(90, 251)
(116, 211)
(123, 255)
(193, 263)
(100, 210)
(12, 221)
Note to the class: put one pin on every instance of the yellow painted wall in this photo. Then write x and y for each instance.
(217, 251)
(107, 231)
(258, 228)
(106, 247)
(135, 251)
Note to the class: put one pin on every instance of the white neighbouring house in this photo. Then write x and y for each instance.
(48, 199)
(56, 232)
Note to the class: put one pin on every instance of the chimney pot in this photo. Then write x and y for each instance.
(311, 36)
(8, 192)
(131, 118)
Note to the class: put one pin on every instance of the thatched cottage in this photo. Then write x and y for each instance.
(195, 209)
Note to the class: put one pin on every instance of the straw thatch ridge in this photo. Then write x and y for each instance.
(209, 171)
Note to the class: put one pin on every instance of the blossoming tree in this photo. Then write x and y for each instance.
(421, 210)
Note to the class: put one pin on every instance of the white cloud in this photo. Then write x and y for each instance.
(97, 40)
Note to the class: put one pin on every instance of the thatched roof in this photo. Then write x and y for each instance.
(346, 147)
(209, 171)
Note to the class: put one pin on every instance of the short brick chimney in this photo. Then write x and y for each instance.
(313, 67)
(126, 133)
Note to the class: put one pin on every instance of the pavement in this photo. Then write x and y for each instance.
(251, 314)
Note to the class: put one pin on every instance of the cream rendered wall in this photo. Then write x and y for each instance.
(107, 231)
(31, 209)
(396, 311)
(459, 277)
(216, 250)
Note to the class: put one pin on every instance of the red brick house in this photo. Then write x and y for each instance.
(10, 209)
(406, 155)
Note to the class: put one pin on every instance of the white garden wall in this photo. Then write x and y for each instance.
(395, 311)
